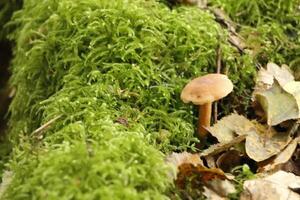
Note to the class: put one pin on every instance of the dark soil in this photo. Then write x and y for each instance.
(5, 57)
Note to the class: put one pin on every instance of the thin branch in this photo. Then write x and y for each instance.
(220, 147)
(45, 126)
(219, 66)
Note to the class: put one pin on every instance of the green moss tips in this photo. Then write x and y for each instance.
(119, 168)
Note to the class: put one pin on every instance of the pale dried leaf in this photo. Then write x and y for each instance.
(222, 187)
(273, 187)
(226, 129)
(293, 88)
(180, 158)
(284, 156)
(278, 105)
(283, 75)
(263, 143)
(265, 78)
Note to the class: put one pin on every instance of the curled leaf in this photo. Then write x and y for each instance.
(284, 156)
(282, 74)
(220, 147)
(197, 175)
(273, 187)
(293, 88)
(263, 143)
(226, 129)
(278, 105)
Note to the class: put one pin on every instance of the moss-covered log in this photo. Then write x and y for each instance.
(113, 72)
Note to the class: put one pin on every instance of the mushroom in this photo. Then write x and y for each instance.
(203, 91)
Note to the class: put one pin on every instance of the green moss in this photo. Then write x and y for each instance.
(242, 173)
(118, 168)
(270, 27)
(142, 55)
(113, 71)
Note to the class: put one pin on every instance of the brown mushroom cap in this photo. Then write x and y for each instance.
(205, 89)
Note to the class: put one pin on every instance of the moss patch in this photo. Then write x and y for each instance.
(113, 71)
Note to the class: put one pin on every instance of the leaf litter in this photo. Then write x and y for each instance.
(272, 145)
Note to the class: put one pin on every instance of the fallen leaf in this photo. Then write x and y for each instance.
(226, 129)
(212, 195)
(293, 88)
(283, 75)
(265, 77)
(196, 175)
(278, 105)
(273, 187)
(263, 143)
(221, 147)
(282, 157)
(221, 187)
(178, 159)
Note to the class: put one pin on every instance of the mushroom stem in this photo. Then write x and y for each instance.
(204, 119)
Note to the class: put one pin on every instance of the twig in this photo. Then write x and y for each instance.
(45, 126)
(220, 147)
(234, 38)
(219, 65)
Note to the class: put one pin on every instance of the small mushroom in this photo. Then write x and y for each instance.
(203, 91)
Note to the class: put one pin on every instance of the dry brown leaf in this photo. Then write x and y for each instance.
(273, 187)
(283, 157)
(177, 159)
(263, 143)
(226, 129)
(196, 175)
